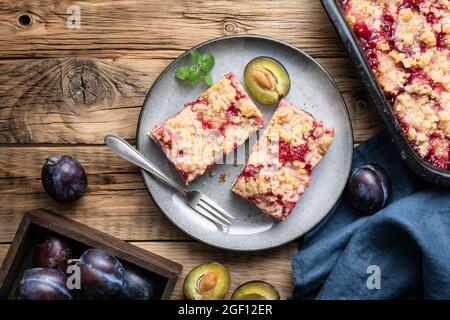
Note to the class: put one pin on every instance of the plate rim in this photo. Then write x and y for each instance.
(225, 38)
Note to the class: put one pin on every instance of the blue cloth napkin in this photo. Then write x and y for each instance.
(402, 251)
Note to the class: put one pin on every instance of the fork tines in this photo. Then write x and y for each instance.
(214, 212)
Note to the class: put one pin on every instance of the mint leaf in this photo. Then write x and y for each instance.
(195, 57)
(194, 74)
(182, 73)
(207, 62)
(208, 79)
(199, 68)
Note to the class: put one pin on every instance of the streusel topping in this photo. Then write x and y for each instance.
(214, 124)
(279, 169)
(407, 45)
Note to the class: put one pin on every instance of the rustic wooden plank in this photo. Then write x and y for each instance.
(116, 202)
(79, 100)
(158, 29)
(273, 266)
(128, 215)
(74, 100)
(3, 250)
(93, 81)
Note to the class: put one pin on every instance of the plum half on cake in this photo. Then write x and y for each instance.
(279, 168)
(214, 124)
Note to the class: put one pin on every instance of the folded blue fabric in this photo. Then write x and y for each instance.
(402, 251)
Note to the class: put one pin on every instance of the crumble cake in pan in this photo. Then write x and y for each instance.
(279, 168)
(214, 124)
(407, 44)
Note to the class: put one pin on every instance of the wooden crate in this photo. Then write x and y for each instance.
(163, 272)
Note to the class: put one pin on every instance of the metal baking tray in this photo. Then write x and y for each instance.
(350, 42)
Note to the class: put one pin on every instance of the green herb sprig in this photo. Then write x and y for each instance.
(200, 67)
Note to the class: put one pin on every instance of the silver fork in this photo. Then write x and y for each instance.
(195, 199)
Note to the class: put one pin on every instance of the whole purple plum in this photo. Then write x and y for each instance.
(136, 286)
(64, 179)
(101, 273)
(43, 284)
(52, 252)
(369, 188)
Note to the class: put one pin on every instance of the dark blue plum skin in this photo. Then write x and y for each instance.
(43, 284)
(101, 274)
(52, 252)
(136, 286)
(64, 179)
(369, 188)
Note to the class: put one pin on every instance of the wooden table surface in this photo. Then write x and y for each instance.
(62, 90)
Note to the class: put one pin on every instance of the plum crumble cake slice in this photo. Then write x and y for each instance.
(217, 122)
(407, 44)
(279, 168)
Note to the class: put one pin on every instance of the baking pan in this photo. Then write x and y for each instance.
(350, 42)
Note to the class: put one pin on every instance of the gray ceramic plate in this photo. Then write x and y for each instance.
(311, 88)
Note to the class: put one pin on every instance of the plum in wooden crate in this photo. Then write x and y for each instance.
(49, 249)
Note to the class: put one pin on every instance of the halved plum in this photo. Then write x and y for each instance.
(209, 281)
(256, 290)
(267, 80)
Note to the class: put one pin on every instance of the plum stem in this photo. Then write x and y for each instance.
(52, 160)
(72, 261)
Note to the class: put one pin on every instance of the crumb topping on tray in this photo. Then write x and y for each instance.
(407, 44)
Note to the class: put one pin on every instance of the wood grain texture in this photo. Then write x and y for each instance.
(73, 100)
(3, 250)
(127, 215)
(62, 90)
(158, 29)
(80, 100)
(77, 100)
(272, 266)
(116, 201)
